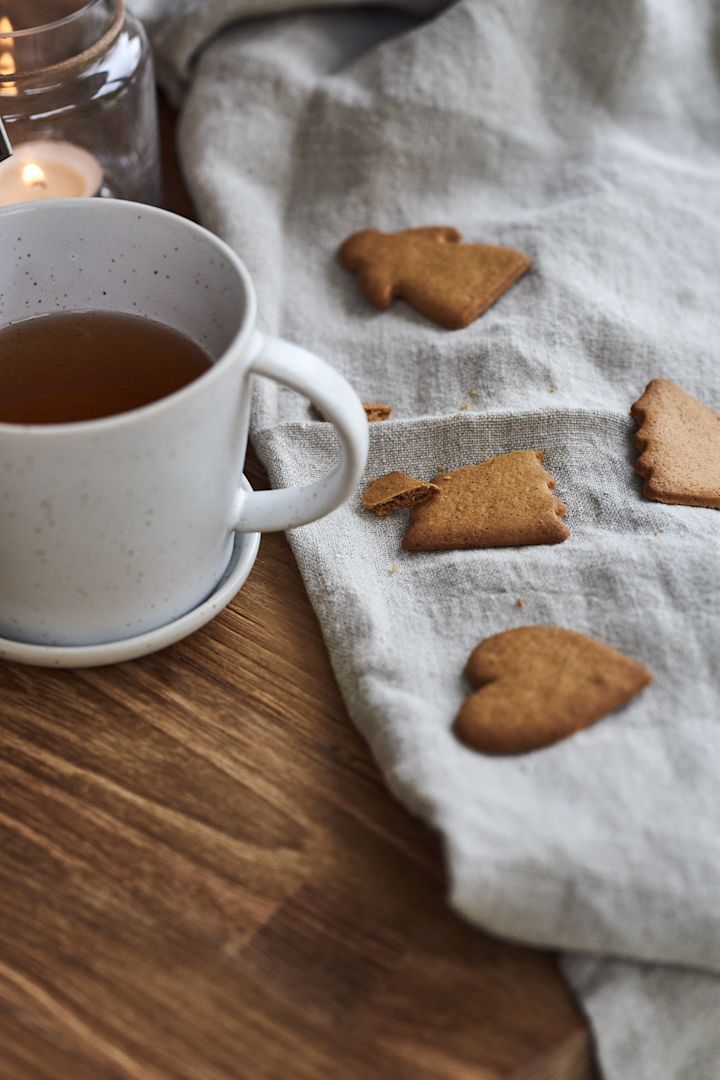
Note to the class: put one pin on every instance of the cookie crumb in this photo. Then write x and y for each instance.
(375, 411)
(393, 569)
(465, 405)
(552, 389)
(519, 602)
(472, 393)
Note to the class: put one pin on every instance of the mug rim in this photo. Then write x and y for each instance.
(234, 349)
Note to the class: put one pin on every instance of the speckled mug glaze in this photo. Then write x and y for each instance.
(110, 528)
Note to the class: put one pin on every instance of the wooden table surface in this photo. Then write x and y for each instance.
(203, 876)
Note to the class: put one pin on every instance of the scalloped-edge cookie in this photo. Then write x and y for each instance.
(506, 501)
(450, 283)
(679, 440)
(536, 685)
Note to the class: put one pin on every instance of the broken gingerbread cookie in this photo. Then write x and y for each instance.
(536, 685)
(396, 491)
(448, 282)
(679, 441)
(506, 501)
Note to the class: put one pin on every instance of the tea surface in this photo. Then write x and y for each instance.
(83, 365)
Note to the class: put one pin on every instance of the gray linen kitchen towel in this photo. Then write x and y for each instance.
(587, 134)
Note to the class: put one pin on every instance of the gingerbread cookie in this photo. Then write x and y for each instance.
(539, 684)
(506, 501)
(396, 491)
(375, 411)
(679, 440)
(446, 281)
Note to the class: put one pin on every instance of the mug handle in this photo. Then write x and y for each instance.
(271, 511)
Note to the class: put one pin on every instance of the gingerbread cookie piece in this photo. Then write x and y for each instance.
(375, 411)
(396, 491)
(679, 440)
(506, 501)
(539, 684)
(446, 281)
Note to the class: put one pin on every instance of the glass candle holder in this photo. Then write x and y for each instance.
(77, 97)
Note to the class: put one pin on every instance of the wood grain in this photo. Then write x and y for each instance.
(203, 877)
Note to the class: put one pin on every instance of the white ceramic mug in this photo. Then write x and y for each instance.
(110, 528)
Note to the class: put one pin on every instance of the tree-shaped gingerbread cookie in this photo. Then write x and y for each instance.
(446, 281)
(679, 440)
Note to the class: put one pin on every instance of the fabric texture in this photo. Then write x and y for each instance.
(586, 134)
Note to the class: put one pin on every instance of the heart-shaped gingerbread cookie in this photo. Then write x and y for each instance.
(538, 684)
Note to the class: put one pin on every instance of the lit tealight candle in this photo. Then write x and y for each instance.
(46, 169)
(43, 169)
(7, 58)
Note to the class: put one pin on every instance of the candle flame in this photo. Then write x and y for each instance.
(7, 59)
(33, 175)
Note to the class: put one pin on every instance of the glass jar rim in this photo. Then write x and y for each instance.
(86, 56)
(44, 27)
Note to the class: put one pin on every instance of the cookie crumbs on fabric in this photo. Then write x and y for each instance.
(519, 602)
(393, 569)
(472, 393)
(552, 389)
(465, 405)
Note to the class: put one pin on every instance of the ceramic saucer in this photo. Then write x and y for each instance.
(243, 556)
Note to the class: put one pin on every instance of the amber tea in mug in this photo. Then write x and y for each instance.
(82, 365)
